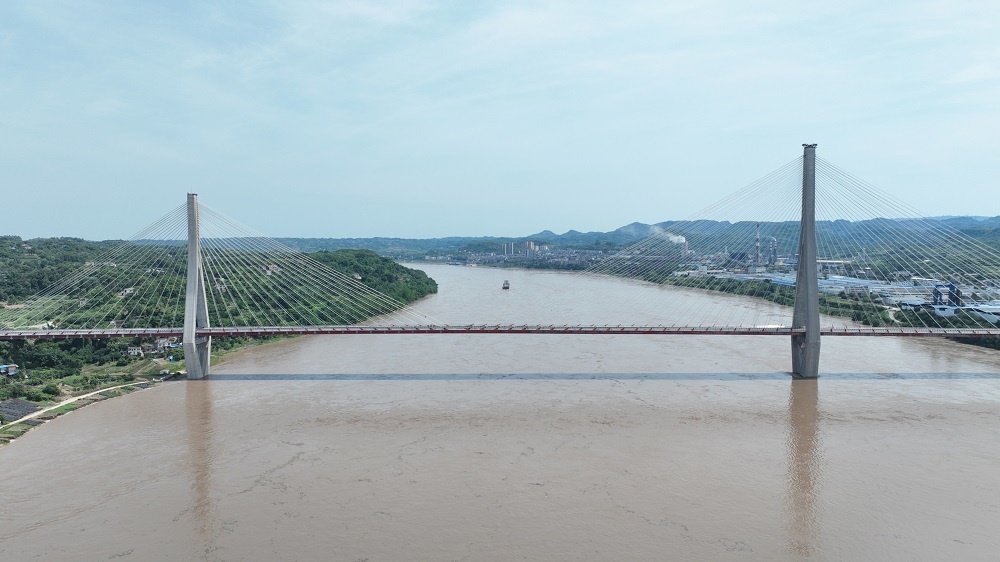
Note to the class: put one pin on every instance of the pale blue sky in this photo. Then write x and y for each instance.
(421, 119)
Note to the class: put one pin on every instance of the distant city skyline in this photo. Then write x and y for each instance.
(421, 119)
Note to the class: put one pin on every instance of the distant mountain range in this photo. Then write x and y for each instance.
(976, 226)
(624, 235)
(637, 230)
(946, 217)
(963, 223)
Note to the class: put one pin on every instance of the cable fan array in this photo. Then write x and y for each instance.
(733, 266)
(880, 264)
(137, 283)
(250, 280)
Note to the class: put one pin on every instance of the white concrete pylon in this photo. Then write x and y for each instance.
(197, 350)
(805, 347)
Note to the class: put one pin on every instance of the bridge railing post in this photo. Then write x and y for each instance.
(197, 350)
(805, 346)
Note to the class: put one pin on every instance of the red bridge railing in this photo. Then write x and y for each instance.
(251, 331)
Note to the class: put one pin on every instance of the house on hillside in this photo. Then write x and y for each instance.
(162, 344)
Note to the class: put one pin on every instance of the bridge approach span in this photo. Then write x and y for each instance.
(494, 329)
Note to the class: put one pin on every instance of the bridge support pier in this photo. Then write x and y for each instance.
(197, 350)
(805, 347)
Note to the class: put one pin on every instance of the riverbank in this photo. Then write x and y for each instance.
(146, 376)
(12, 430)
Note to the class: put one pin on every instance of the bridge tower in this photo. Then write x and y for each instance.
(197, 350)
(805, 346)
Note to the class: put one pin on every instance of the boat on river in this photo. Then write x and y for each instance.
(506, 284)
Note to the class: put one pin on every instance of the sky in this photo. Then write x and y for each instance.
(418, 119)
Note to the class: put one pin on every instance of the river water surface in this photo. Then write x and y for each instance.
(478, 447)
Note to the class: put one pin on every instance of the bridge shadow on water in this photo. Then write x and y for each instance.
(804, 448)
(596, 376)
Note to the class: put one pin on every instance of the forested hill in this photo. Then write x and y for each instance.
(28, 267)
(67, 366)
(382, 274)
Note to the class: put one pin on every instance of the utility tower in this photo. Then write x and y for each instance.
(805, 347)
(197, 350)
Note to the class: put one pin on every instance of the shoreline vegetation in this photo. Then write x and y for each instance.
(33, 414)
(56, 377)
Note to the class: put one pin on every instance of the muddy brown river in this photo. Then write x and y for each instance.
(513, 447)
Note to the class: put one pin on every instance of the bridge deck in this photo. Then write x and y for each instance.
(493, 329)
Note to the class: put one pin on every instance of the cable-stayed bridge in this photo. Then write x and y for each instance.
(806, 251)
